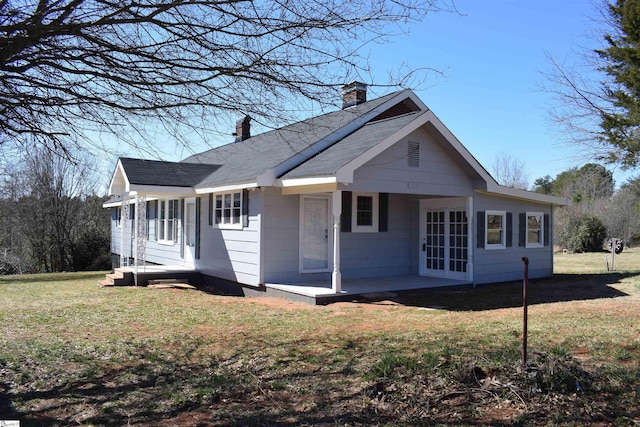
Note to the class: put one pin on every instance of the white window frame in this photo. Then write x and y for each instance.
(540, 242)
(503, 242)
(164, 221)
(375, 214)
(220, 218)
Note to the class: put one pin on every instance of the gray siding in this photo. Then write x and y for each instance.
(232, 254)
(165, 253)
(388, 253)
(506, 264)
(438, 174)
(384, 253)
(281, 238)
(156, 252)
(116, 236)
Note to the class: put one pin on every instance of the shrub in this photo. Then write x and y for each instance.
(585, 233)
(90, 251)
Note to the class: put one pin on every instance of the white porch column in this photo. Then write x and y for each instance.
(124, 225)
(140, 233)
(471, 240)
(336, 277)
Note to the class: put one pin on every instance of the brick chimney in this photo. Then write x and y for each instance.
(243, 129)
(353, 93)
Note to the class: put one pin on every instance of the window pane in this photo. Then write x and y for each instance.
(533, 236)
(218, 209)
(364, 214)
(534, 229)
(237, 202)
(170, 213)
(494, 222)
(494, 229)
(226, 217)
(494, 237)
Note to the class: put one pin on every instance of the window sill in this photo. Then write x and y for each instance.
(166, 242)
(494, 247)
(228, 226)
(361, 229)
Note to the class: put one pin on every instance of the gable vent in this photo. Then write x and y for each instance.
(413, 154)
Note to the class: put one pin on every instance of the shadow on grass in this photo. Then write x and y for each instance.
(559, 288)
(162, 389)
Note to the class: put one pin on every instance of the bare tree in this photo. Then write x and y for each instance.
(595, 95)
(50, 209)
(509, 171)
(622, 216)
(136, 66)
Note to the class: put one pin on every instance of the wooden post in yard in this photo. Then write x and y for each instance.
(525, 260)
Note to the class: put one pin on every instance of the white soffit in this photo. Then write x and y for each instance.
(225, 188)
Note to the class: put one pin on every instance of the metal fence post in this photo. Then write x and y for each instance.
(525, 260)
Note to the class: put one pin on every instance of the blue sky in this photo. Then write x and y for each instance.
(493, 55)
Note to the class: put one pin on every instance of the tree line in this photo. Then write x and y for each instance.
(53, 219)
(72, 69)
(598, 211)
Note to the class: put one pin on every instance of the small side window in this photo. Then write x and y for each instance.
(228, 210)
(495, 230)
(365, 213)
(535, 230)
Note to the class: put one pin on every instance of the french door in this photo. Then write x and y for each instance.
(445, 242)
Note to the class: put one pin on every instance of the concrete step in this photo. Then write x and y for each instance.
(112, 279)
(105, 282)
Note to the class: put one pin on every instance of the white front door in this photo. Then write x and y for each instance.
(445, 241)
(190, 230)
(315, 235)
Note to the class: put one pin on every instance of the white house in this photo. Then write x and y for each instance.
(377, 196)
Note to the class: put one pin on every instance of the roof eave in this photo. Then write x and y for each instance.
(226, 187)
(526, 195)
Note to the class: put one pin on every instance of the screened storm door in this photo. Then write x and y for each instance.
(315, 234)
(445, 242)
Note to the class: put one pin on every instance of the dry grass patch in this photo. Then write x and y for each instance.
(75, 353)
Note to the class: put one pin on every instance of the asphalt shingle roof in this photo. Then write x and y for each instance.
(333, 158)
(246, 160)
(174, 174)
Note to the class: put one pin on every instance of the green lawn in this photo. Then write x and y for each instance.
(76, 354)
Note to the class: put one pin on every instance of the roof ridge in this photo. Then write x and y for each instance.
(289, 126)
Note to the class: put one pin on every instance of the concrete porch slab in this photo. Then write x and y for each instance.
(322, 289)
